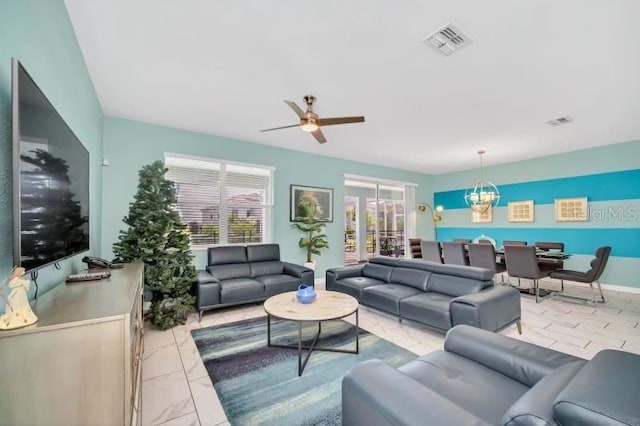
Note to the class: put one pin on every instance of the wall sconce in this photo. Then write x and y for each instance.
(434, 216)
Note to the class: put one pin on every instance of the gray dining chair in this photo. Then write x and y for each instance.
(550, 263)
(522, 263)
(484, 256)
(514, 243)
(462, 240)
(416, 251)
(592, 275)
(454, 253)
(431, 251)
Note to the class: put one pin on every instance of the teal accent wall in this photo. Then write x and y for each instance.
(608, 176)
(39, 34)
(129, 145)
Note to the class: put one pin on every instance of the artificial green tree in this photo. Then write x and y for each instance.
(157, 237)
(308, 222)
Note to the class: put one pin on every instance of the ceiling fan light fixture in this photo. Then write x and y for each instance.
(309, 126)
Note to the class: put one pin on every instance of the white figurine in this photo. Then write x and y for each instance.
(17, 311)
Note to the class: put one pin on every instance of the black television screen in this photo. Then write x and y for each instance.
(50, 179)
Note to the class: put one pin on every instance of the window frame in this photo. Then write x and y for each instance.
(224, 205)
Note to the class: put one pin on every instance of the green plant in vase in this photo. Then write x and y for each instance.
(314, 239)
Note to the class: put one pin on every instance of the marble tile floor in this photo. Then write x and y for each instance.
(177, 391)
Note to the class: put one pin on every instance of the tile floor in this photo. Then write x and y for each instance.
(177, 391)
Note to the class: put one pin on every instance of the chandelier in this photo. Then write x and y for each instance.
(484, 195)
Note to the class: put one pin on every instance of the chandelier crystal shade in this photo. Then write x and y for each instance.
(484, 195)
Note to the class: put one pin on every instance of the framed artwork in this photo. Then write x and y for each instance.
(482, 216)
(571, 209)
(311, 201)
(521, 211)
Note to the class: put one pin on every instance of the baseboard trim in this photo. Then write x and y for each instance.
(620, 288)
(610, 287)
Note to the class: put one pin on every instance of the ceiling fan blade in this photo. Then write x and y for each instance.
(340, 120)
(278, 128)
(319, 136)
(295, 108)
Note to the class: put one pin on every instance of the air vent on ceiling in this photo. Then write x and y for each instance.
(560, 121)
(447, 39)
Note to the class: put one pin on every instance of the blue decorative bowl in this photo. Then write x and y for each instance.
(306, 293)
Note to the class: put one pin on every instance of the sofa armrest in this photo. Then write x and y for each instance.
(207, 290)
(605, 391)
(334, 274)
(521, 361)
(305, 274)
(367, 399)
(490, 309)
(346, 271)
(204, 277)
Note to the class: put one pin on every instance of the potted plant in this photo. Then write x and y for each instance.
(308, 222)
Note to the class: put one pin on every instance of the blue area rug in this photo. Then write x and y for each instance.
(259, 385)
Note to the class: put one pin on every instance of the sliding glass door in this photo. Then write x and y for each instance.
(374, 215)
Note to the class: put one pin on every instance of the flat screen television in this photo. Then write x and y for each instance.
(50, 179)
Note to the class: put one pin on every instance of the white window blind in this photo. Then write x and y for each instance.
(220, 202)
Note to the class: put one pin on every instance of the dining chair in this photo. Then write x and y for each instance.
(522, 263)
(592, 275)
(462, 240)
(431, 251)
(514, 243)
(483, 241)
(454, 253)
(550, 263)
(414, 244)
(484, 256)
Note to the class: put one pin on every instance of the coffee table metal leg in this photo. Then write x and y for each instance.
(357, 334)
(310, 348)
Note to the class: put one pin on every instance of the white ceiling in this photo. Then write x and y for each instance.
(224, 67)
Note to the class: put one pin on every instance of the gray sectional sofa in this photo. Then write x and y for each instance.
(437, 295)
(244, 274)
(484, 378)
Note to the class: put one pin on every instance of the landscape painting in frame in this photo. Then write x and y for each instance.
(308, 200)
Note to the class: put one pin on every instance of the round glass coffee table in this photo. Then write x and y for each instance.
(329, 305)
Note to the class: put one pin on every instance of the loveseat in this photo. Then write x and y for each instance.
(244, 274)
(434, 294)
(484, 378)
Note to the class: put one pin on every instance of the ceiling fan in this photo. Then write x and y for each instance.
(310, 122)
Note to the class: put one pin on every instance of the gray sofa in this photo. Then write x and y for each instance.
(437, 295)
(244, 274)
(483, 378)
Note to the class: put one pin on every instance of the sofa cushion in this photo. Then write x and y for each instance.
(278, 283)
(269, 267)
(387, 297)
(240, 289)
(353, 285)
(470, 385)
(535, 408)
(411, 277)
(428, 308)
(263, 252)
(227, 254)
(453, 285)
(230, 271)
(379, 272)
(605, 391)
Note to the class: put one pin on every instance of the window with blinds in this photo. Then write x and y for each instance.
(220, 202)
